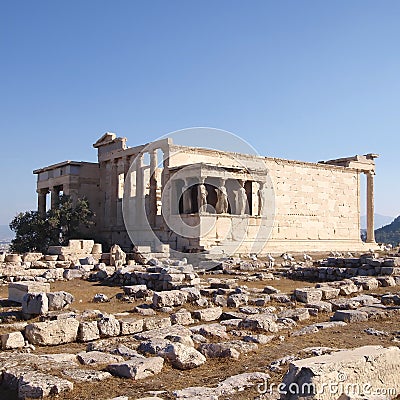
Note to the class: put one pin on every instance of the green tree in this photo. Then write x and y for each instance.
(31, 232)
(68, 220)
(36, 233)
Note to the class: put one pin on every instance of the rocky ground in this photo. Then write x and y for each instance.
(102, 332)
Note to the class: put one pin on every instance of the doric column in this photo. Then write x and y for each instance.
(42, 194)
(55, 197)
(153, 188)
(370, 207)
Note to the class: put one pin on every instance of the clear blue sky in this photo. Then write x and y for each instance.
(306, 80)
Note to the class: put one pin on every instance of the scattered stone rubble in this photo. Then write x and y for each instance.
(188, 317)
(338, 268)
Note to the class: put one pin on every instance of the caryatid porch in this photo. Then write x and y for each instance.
(214, 204)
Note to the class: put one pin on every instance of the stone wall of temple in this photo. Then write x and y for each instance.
(315, 202)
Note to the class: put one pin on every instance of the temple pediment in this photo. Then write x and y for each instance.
(107, 138)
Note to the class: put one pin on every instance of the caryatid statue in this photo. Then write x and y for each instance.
(202, 197)
(242, 199)
(262, 198)
(222, 200)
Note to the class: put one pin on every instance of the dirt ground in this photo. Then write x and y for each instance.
(213, 371)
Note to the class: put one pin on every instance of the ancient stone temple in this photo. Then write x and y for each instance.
(164, 195)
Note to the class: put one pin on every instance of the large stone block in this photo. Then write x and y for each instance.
(170, 298)
(98, 357)
(17, 290)
(348, 288)
(32, 257)
(237, 300)
(88, 330)
(183, 357)
(329, 293)
(211, 331)
(182, 317)
(322, 306)
(219, 350)
(208, 314)
(350, 316)
(130, 326)
(70, 274)
(156, 323)
(260, 322)
(109, 326)
(36, 385)
(79, 246)
(386, 281)
(35, 304)
(296, 314)
(137, 291)
(362, 371)
(137, 367)
(308, 295)
(59, 300)
(50, 333)
(367, 283)
(13, 340)
(13, 258)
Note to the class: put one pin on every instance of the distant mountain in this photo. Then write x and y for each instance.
(380, 220)
(6, 233)
(389, 234)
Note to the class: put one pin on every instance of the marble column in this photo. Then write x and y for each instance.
(140, 192)
(42, 194)
(55, 197)
(370, 207)
(153, 188)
